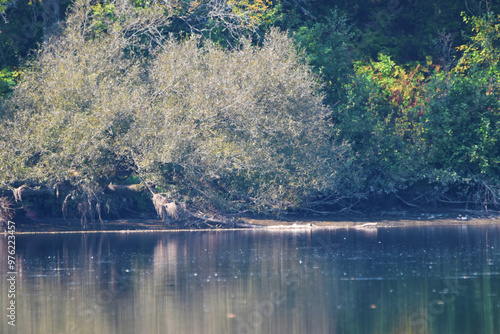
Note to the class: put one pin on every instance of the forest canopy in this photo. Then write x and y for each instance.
(248, 106)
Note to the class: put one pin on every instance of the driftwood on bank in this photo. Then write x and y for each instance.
(226, 222)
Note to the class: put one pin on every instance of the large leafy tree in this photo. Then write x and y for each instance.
(227, 129)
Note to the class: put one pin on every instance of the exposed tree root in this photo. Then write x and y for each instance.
(6, 211)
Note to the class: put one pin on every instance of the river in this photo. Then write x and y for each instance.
(430, 279)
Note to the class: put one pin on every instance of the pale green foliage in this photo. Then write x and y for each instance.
(236, 130)
(237, 125)
(75, 98)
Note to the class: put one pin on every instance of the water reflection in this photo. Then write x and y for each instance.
(418, 280)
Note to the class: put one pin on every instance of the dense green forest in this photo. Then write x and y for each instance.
(188, 107)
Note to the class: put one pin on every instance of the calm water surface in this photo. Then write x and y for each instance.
(386, 280)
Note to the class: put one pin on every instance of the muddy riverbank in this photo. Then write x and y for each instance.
(383, 219)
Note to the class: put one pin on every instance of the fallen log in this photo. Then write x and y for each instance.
(228, 222)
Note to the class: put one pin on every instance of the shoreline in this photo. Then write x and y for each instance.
(144, 225)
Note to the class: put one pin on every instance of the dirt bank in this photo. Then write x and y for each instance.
(382, 219)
